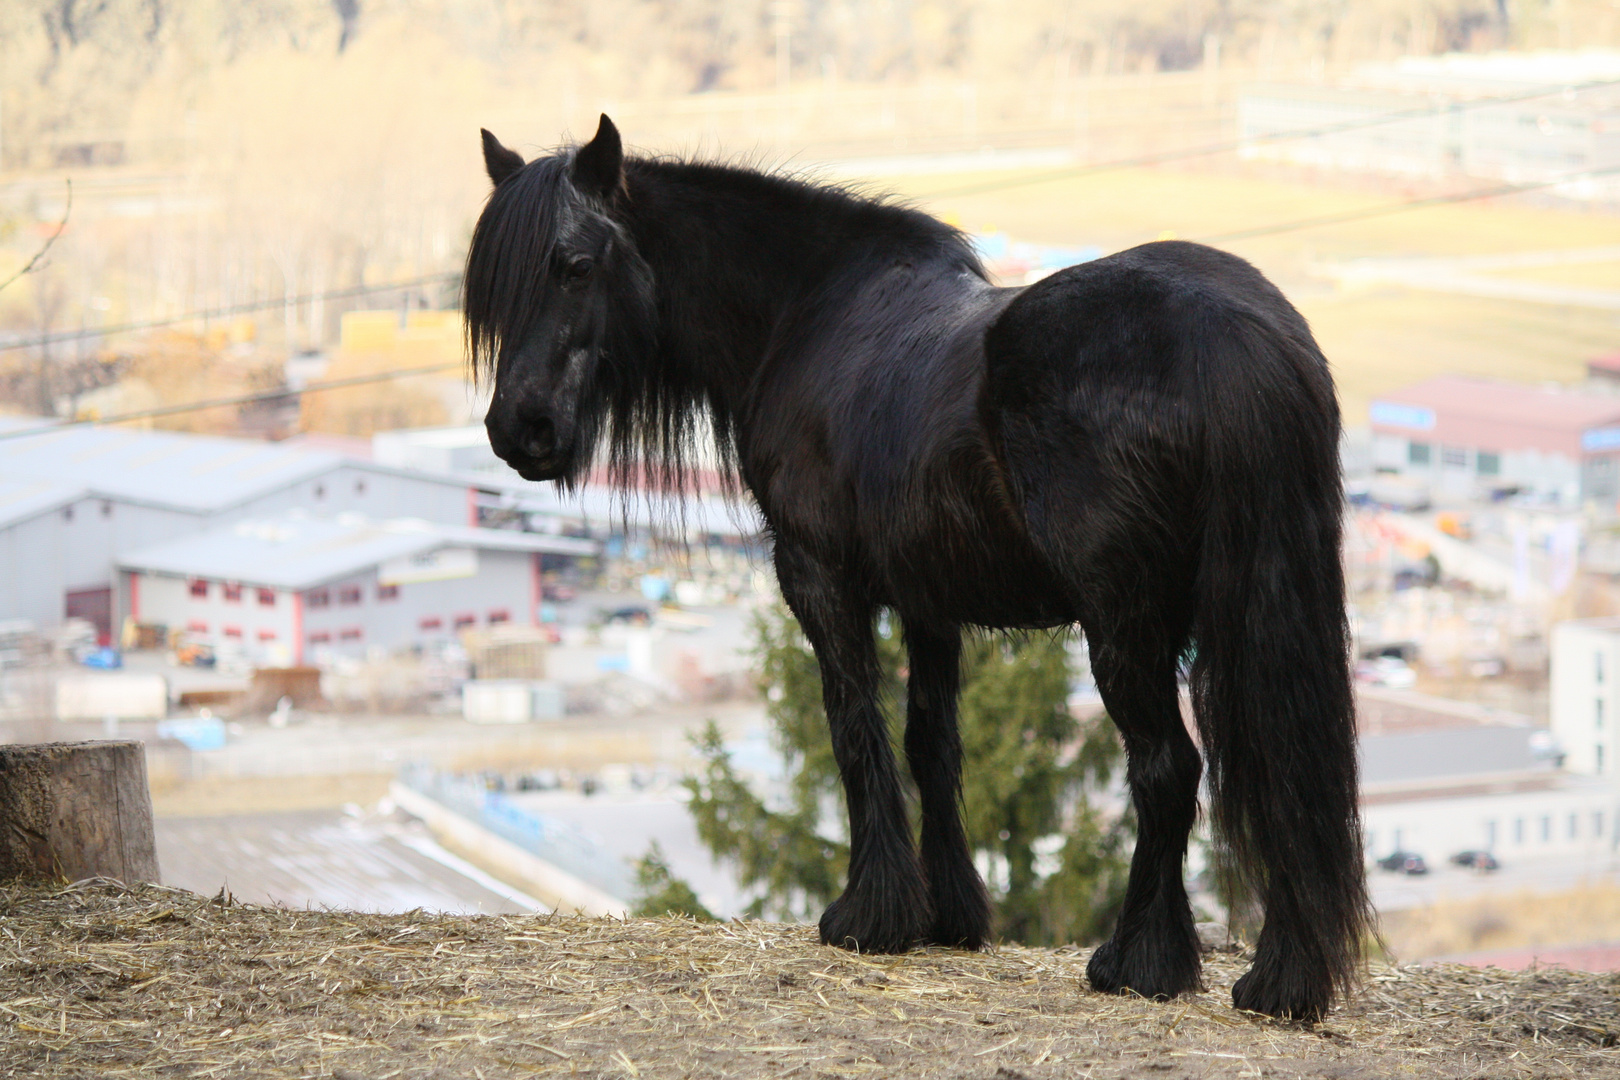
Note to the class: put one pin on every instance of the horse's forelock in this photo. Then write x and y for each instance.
(510, 250)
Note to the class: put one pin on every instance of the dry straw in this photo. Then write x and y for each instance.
(99, 980)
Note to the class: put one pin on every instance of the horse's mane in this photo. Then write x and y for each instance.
(654, 430)
(510, 247)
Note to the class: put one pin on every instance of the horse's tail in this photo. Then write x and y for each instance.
(1270, 676)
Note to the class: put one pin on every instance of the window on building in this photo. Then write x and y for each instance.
(1597, 667)
(1490, 834)
(320, 637)
(267, 598)
(1598, 754)
(1574, 826)
(1488, 463)
(349, 633)
(1518, 830)
(106, 508)
(1417, 453)
(499, 615)
(432, 622)
(1597, 823)
(1546, 827)
(67, 513)
(318, 598)
(1454, 457)
(320, 491)
(233, 631)
(196, 627)
(465, 620)
(388, 592)
(359, 487)
(349, 595)
(199, 588)
(267, 635)
(232, 593)
(1597, 714)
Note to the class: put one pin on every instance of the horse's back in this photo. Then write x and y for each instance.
(1135, 323)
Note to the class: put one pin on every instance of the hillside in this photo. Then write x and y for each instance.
(99, 981)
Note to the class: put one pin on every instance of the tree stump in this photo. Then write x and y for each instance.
(76, 810)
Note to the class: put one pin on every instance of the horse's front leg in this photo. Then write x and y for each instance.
(885, 906)
(934, 752)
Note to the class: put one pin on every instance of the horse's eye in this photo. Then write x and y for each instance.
(580, 268)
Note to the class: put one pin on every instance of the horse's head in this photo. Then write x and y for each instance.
(559, 305)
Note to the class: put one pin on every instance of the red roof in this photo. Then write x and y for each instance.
(1489, 415)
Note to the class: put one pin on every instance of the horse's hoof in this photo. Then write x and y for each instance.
(1112, 971)
(961, 922)
(1276, 997)
(858, 928)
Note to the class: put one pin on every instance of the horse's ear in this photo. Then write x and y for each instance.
(599, 164)
(500, 161)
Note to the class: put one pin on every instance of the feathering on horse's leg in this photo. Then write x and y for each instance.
(1154, 948)
(884, 907)
(934, 752)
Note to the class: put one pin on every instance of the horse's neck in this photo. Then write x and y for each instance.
(736, 253)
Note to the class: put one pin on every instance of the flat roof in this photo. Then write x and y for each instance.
(1448, 755)
(299, 552)
(1487, 414)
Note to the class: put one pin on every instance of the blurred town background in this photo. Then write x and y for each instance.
(373, 667)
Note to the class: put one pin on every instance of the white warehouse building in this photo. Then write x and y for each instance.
(73, 498)
(293, 589)
(1585, 668)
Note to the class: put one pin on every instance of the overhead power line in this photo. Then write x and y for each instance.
(385, 376)
(221, 402)
(1403, 206)
(1137, 161)
(1161, 157)
(222, 312)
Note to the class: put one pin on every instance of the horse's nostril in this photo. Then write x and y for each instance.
(539, 438)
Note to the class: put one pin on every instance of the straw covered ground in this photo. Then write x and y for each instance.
(98, 980)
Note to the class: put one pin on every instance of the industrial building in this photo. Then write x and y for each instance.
(1439, 777)
(73, 498)
(1467, 438)
(294, 588)
(463, 454)
(1442, 128)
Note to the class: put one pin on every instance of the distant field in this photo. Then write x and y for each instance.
(1378, 339)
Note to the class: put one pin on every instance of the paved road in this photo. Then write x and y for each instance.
(327, 858)
(1398, 892)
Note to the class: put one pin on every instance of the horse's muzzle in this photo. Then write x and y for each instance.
(532, 450)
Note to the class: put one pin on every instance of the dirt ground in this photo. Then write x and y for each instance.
(100, 981)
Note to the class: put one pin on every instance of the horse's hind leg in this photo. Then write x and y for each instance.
(885, 906)
(934, 752)
(1154, 948)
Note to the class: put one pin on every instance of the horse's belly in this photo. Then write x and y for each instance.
(1003, 585)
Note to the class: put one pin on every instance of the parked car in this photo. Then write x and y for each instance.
(1404, 862)
(1482, 861)
(1389, 671)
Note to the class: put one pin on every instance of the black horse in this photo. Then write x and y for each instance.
(1146, 445)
